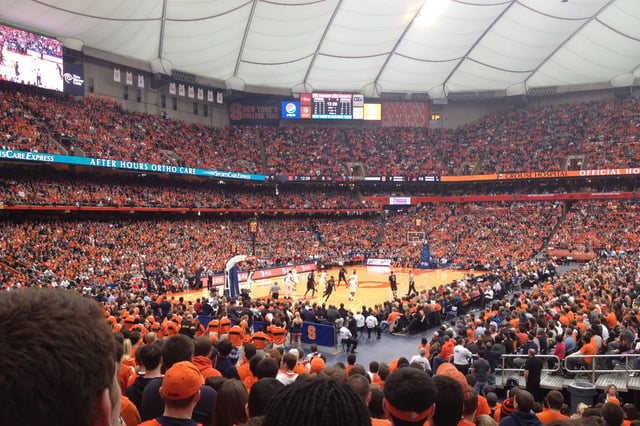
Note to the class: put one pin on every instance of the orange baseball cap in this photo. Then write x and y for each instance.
(181, 381)
(317, 365)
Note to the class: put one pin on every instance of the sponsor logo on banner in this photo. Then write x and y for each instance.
(305, 99)
(378, 262)
(400, 201)
(290, 109)
(73, 79)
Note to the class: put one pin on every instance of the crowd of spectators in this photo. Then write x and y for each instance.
(598, 134)
(594, 226)
(582, 312)
(175, 252)
(86, 191)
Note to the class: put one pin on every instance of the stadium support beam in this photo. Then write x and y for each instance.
(395, 47)
(163, 21)
(244, 38)
(477, 42)
(567, 40)
(324, 35)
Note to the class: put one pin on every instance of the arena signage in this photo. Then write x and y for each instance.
(123, 165)
(281, 271)
(543, 174)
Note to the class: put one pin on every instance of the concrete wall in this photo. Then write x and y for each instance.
(99, 81)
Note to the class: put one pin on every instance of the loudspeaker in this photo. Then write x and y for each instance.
(72, 55)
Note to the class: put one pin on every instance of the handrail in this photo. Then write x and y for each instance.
(593, 371)
(504, 358)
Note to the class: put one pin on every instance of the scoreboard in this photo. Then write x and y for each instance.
(331, 106)
(337, 106)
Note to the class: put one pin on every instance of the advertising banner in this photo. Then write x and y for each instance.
(73, 79)
(405, 114)
(7, 154)
(255, 111)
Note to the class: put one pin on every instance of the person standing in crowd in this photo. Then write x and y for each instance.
(481, 370)
(532, 373)
(319, 401)
(409, 397)
(58, 363)
(180, 391)
(353, 285)
(412, 284)
(522, 414)
(176, 349)
(393, 284)
(311, 285)
(372, 324)
(553, 404)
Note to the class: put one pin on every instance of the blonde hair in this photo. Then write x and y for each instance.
(580, 408)
(485, 420)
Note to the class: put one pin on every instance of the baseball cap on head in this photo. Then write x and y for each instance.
(181, 381)
(317, 365)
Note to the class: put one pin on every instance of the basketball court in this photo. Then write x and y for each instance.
(373, 285)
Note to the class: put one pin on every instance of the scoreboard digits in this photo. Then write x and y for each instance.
(332, 106)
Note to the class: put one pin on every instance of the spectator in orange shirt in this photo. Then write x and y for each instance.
(552, 405)
(588, 348)
(201, 352)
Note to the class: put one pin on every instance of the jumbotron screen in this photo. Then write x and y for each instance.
(32, 59)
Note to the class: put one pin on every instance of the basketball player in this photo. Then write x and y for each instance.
(288, 283)
(322, 282)
(250, 280)
(393, 284)
(329, 289)
(311, 284)
(353, 285)
(342, 276)
(294, 279)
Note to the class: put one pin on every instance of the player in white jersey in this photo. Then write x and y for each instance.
(353, 285)
(294, 278)
(322, 281)
(288, 283)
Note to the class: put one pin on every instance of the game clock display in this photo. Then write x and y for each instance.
(336, 106)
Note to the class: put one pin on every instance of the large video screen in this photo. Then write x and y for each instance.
(32, 59)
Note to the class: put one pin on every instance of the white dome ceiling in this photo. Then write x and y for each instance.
(431, 46)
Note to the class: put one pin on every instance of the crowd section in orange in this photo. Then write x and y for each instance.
(603, 134)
